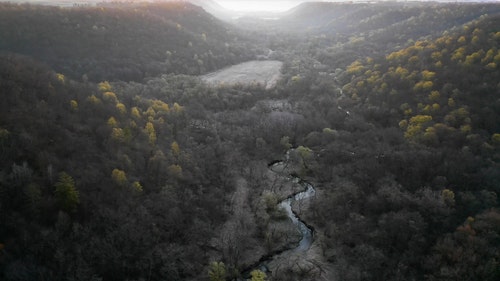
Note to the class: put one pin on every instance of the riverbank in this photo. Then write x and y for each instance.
(301, 263)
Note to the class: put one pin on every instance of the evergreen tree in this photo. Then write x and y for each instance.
(66, 194)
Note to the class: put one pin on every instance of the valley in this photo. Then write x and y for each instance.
(155, 141)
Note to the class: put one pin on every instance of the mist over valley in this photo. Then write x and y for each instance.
(188, 140)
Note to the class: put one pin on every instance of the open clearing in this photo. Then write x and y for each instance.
(265, 73)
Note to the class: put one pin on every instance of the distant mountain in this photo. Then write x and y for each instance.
(369, 29)
(213, 8)
(210, 6)
(348, 18)
(122, 41)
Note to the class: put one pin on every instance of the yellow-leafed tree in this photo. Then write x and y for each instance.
(176, 150)
(175, 171)
(258, 275)
(104, 86)
(150, 130)
(74, 105)
(119, 177)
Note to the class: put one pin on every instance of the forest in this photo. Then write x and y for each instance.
(118, 162)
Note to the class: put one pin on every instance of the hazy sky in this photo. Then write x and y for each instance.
(282, 5)
(240, 5)
(259, 5)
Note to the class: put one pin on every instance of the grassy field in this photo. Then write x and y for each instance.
(266, 73)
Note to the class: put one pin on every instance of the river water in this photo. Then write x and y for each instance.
(307, 233)
(286, 204)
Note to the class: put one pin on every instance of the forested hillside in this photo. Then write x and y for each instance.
(117, 163)
(339, 33)
(417, 203)
(448, 83)
(122, 41)
(92, 181)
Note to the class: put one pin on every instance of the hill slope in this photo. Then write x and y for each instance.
(122, 41)
(343, 32)
(96, 176)
(422, 195)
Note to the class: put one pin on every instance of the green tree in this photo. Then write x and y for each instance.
(137, 186)
(217, 271)
(495, 138)
(285, 143)
(448, 197)
(304, 152)
(4, 138)
(66, 194)
(258, 275)
(33, 197)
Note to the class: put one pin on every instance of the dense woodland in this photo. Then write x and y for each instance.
(118, 163)
(123, 42)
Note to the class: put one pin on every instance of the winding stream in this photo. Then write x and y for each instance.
(306, 232)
